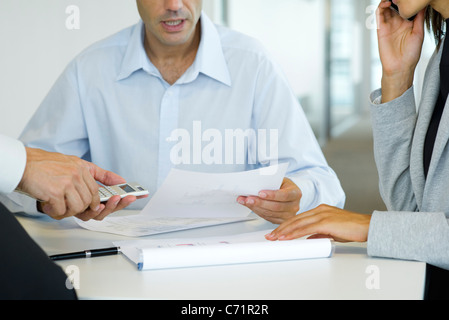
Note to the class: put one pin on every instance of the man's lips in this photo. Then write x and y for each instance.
(174, 25)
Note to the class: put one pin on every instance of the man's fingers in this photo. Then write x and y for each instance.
(288, 192)
(105, 177)
(115, 206)
(106, 209)
(279, 195)
(273, 206)
(76, 201)
(90, 214)
(56, 208)
(93, 187)
(275, 212)
(115, 203)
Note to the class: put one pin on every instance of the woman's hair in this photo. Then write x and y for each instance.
(435, 24)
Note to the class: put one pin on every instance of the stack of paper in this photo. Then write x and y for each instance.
(193, 199)
(243, 248)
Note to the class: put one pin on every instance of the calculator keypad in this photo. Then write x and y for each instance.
(106, 192)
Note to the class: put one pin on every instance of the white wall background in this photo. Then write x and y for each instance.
(36, 45)
(294, 33)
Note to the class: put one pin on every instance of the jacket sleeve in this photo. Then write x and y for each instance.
(402, 232)
(393, 129)
(419, 236)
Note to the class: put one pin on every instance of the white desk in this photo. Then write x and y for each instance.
(346, 275)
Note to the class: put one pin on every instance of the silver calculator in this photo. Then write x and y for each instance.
(123, 190)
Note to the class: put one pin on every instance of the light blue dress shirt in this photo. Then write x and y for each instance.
(111, 106)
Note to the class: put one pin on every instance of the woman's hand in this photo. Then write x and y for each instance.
(324, 222)
(400, 45)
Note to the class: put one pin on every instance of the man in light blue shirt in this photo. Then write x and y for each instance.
(175, 90)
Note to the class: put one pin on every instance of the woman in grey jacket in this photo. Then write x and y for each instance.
(411, 149)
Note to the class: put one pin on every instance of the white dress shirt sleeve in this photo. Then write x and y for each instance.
(12, 163)
(12, 166)
(277, 107)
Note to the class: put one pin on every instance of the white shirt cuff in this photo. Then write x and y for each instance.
(12, 163)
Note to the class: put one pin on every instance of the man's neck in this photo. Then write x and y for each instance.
(173, 61)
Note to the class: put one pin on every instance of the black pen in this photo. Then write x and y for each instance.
(86, 254)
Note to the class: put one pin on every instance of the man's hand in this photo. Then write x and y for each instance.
(325, 222)
(67, 186)
(275, 206)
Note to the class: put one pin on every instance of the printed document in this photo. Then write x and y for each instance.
(189, 200)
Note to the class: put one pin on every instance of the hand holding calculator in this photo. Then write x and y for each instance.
(123, 190)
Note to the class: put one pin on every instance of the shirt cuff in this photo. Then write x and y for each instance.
(330, 192)
(308, 193)
(12, 163)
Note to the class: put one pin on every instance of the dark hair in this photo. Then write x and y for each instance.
(435, 23)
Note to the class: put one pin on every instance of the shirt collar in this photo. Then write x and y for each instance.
(209, 60)
(135, 57)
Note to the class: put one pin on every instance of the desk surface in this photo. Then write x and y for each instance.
(348, 274)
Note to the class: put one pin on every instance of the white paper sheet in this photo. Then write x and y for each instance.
(242, 248)
(206, 195)
(142, 225)
(189, 200)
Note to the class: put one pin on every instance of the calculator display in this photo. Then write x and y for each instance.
(127, 188)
